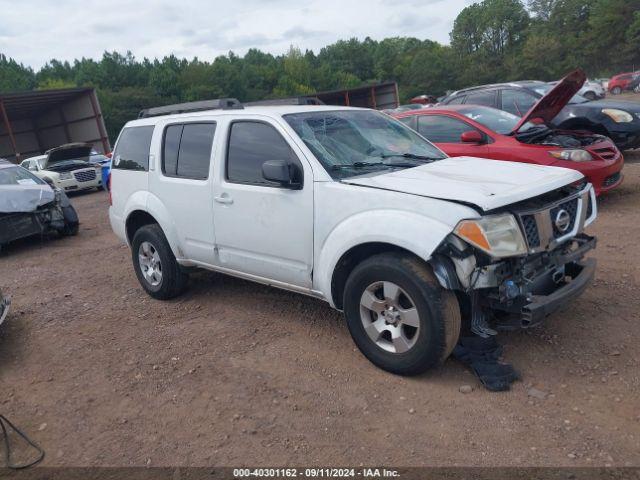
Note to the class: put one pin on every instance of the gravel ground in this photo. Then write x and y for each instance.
(234, 373)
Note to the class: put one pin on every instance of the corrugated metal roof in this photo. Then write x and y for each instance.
(21, 105)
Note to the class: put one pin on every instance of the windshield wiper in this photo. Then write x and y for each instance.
(412, 156)
(357, 165)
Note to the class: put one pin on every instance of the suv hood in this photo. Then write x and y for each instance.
(488, 184)
(555, 100)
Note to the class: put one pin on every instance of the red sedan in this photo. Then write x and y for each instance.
(478, 131)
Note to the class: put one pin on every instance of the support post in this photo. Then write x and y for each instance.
(99, 122)
(5, 119)
(373, 98)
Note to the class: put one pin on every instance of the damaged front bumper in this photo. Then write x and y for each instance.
(541, 306)
(44, 219)
(520, 292)
(530, 289)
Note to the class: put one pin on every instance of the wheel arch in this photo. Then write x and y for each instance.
(359, 237)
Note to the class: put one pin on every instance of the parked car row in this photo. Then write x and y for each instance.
(522, 131)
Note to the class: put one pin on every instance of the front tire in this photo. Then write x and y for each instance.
(71, 221)
(155, 265)
(590, 96)
(399, 316)
(616, 90)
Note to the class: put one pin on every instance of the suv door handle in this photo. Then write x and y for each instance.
(224, 199)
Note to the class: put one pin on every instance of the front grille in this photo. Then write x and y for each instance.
(85, 175)
(531, 230)
(571, 207)
(606, 153)
(611, 180)
(545, 226)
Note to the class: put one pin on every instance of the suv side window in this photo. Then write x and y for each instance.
(442, 129)
(251, 143)
(409, 121)
(486, 98)
(517, 102)
(186, 150)
(132, 151)
(457, 100)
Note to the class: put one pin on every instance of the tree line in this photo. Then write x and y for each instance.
(491, 41)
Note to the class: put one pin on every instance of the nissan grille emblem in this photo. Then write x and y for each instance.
(562, 221)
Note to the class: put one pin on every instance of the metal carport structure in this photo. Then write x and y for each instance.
(35, 121)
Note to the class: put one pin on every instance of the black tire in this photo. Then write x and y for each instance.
(616, 90)
(174, 280)
(438, 311)
(71, 221)
(590, 96)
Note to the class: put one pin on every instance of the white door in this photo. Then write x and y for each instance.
(263, 228)
(183, 182)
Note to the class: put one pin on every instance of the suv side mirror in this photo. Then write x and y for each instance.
(472, 136)
(282, 172)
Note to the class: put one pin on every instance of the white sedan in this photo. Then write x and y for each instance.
(66, 167)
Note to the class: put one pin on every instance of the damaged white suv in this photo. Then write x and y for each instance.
(350, 206)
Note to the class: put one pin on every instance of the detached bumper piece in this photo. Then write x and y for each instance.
(482, 356)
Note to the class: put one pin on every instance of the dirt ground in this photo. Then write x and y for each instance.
(234, 373)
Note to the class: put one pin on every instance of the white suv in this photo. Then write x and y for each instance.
(350, 206)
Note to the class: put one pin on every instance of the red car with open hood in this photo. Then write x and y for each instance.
(479, 131)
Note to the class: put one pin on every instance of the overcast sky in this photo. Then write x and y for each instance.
(35, 31)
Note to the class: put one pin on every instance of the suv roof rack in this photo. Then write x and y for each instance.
(286, 101)
(217, 104)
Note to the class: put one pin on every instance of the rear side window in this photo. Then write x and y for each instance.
(250, 145)
(132, 151)
(186, 150)
(409, 121)
(457, 100)
(442, 129)
(486, 98)
(517, 102)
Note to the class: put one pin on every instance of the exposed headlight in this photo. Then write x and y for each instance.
(65, 176)
(573, 155)
(618, 116)
(497, 235)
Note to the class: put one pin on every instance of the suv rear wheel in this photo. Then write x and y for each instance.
(156, 267)
(399, 316)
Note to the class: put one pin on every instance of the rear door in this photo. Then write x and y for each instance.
(445, 132)
(182, 180)
(262, 228)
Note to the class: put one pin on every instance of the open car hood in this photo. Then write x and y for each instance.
(555, 100)
(488, 184)
(70, 151)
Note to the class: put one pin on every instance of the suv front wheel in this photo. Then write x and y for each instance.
(399, 316)
(156, 267)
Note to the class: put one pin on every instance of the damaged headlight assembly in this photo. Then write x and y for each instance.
(574, 155)
(497, 235)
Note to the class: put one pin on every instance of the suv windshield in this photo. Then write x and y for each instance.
(497, 120)
(355, 142)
